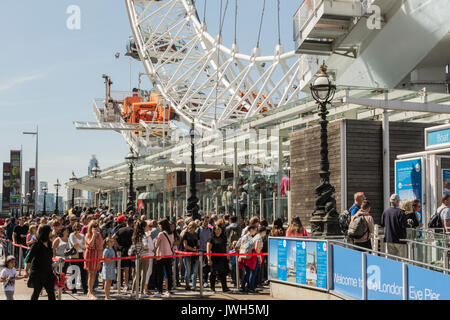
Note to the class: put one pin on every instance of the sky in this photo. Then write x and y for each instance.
(49, 74)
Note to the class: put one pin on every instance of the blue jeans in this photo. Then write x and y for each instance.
(245, 284)
(191, 264)
(254, 276)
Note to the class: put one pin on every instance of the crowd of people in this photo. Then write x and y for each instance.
(93, 234)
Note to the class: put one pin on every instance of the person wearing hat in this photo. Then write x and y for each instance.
(8, 276)
(394, 222)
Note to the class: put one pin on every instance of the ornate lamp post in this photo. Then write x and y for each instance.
(44, 189)
(192, 206)
(95, 170)
(324, 221)
(73, 179)
(131, 159)
(57, 185)
(28, 197)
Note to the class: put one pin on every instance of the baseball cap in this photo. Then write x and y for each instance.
(394, 198)
(10, 258)
(121, 219)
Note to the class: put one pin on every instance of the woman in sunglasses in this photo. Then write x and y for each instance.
(93, 241)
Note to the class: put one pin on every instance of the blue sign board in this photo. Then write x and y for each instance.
(408, 180)
(424, 284)
(438, 137)
(445, 181)
(282, 260)
(300, 261)
(384, 278)
(347, 271)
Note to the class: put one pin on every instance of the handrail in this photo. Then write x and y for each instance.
(391, 256)
(426, 244)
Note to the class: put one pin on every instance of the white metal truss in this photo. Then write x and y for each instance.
(205, 81)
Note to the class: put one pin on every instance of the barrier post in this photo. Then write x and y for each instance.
(237, 273)
(137, 276)
(20, 260)
(364, 276)
(119, 275)
(174, 271)
(446, 261)
(201, 274)
(60, 262)
(409, 250)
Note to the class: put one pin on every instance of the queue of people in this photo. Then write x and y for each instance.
(102, 234)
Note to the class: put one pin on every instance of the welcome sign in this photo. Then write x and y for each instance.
(437, 137)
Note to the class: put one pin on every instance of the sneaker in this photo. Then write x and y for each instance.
(157, 295)
(188, 289)
(144, 295)
(167, 295)
(205, 285)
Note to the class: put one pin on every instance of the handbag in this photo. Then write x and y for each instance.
(70, 252)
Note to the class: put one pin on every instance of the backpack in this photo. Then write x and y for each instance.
(356, 227)
(436, 221)
(233, 236)
(344, 220)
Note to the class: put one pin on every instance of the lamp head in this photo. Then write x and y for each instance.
(322, 87)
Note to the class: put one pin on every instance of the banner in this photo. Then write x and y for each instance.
(15, 180)
(384, 278)
(347, 271)
(302, 261)
(424, 284)
(5, 187)
(445, 181)
(409, 180)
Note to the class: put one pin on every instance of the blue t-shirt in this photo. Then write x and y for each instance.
(354, 209)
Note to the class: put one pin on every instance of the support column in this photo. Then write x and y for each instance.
(386, 155)
(188, 185)
(236, 179)
(279, 150)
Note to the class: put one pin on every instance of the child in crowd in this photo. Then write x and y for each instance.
(8, 276)
(108, 270)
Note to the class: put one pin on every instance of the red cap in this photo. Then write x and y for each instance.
(121, 219)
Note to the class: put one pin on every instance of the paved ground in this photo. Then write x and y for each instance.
(24, 293)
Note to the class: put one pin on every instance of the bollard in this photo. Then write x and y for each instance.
(138, 291)
(237, 273)
(201, 274)
(409, 250)
(119, 274)
(60, 262)
(20, 260)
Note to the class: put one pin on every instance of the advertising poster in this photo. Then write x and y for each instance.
(15, 180)
(5, 187)
(311, 264)
(282, 259)
(347, 271)
(445, 181)
(321, 250)
(301, 262)
(424, 284)
(291, 261)
(273, 259)
(408, 180)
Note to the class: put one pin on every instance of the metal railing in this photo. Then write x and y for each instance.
(388, 255)
(440, 253)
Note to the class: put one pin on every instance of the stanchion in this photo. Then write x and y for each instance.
(20, 260)
(201, 274)
(60, 262)
(138, 291)
(237, 274)
(174, 269)
(119, 274)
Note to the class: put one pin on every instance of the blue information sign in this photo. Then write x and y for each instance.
(301, 262)
(384, 278)
(347, 271)
(438, 137)
(408, 180)
(445, 181)
(426, 284)
(282, 259)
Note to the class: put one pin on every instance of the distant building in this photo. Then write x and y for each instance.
(91, 165)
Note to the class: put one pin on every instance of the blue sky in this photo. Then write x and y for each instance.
(49, 74)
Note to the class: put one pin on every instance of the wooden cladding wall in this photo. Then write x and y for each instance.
(305, 164)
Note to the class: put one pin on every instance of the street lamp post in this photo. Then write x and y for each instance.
(36, 180)
(131, 159)
(324, 221)
(44, 189)
(57, 185)
(95, 171)
(28, 195)
(192, 206)
(73, 179)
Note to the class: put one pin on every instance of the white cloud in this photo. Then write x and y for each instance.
(11, 83)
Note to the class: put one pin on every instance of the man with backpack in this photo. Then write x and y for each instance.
(233, 231)
(441, 219)
(361, 226)
(394, 222)
(204, 233)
